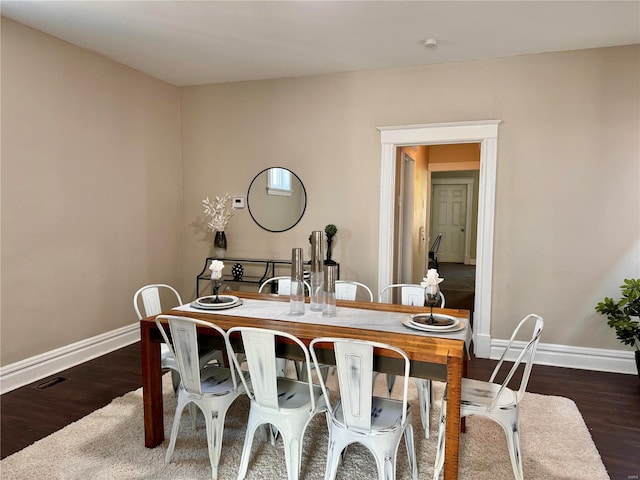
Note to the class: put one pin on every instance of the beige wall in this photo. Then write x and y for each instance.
(566, 226)
(91, 191)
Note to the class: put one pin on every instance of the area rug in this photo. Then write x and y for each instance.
(108, 444)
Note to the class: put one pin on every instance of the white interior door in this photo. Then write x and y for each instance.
(449, 217)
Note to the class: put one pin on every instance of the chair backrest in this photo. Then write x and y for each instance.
(284, 285)
(354, 365)
(436, 244)
(183, 345)
(150, 296)
(348, 290)
(410, 294)
(260, 352)
(525, 356)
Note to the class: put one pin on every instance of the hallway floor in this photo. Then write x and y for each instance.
(458, 286)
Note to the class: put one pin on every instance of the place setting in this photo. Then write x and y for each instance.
(433, 322)
(216, 301)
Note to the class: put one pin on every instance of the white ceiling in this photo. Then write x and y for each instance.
(200, 42)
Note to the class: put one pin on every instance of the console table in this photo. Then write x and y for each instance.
(262, 269)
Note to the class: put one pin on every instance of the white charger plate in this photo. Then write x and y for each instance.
(206, 303)
(440, 321)
(407, 322)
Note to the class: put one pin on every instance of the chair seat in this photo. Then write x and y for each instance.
(479, 394)
(215, 380)
(293, 394)
(386, 413)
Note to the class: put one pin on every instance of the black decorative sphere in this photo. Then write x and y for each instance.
(237, 271)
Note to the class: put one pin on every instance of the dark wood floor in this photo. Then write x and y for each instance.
(609, 403)
(458, 285)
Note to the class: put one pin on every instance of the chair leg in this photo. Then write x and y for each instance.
(281, 367)
(174, 429)
(246, 449)
(334, 458)
(386, 467)
(292, 432)
(193, 414)
(424, 400)
(273, 433)
(439, 463)
(411, 451)
(215, 429)
(175, 381)
(292, 455)
(513, 443)
(391, 380)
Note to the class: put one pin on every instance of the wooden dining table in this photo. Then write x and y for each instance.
(434, 356)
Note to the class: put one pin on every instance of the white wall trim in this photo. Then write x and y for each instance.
(583, 358)
(486, 133)
(34, 368)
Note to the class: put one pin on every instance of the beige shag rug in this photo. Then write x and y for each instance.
(108, 444)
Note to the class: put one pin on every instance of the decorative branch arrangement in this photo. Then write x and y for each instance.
(219, 212)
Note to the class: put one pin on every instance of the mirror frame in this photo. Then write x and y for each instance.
(304, 208)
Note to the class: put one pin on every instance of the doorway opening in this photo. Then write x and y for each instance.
(483, 132)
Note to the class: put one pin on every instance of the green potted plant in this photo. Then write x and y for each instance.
(330, 231)
(623, 315)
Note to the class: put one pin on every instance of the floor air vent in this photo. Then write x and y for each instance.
(50, 383)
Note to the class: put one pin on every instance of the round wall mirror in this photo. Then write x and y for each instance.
(276, 199)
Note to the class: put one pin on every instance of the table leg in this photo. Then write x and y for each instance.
(452, 432)
(463, 420)
(151, 388)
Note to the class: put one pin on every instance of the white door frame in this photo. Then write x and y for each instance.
(406, 197)
(486, 133)
(468, 182)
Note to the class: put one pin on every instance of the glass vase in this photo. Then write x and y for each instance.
(296, 295)
(317, 273)
(220, 245)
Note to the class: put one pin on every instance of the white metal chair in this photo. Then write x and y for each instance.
(213, 388)
(148, 297)
(433, 251)
(348, 290)
(496, 400)
(284, 285)
(286, 404)
(412, 294)
(360, 417)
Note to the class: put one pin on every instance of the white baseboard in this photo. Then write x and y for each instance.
(583, 358)
(40, 366)
(482, 345)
